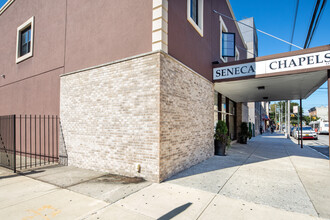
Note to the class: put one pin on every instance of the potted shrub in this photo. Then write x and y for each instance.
(221, 139)
(245, 133)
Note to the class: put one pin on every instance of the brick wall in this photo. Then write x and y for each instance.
(148, 110)
(187, 117)
(110, 117)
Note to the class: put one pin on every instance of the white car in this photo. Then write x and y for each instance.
(307, 133)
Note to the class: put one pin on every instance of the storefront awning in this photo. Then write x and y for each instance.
(285, 76)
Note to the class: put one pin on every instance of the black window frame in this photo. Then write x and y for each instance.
(194, 9)
(28, 31)
(223, 44)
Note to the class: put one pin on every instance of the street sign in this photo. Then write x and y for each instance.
(295, 109)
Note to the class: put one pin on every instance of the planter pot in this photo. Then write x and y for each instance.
(219, 148)
(243, 139)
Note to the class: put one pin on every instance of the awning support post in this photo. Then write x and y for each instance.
(288, 120)
(298, 116)
(329, 101)
(301, 118)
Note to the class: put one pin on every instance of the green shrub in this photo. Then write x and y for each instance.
(245, 133)
(221, 133)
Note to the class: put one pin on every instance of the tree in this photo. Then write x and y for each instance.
(308, 119)
(280, 107)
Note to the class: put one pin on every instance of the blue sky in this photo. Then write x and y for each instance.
(2, 2)
(276, 17)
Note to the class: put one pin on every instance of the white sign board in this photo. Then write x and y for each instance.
(295, 109)
(304, 61)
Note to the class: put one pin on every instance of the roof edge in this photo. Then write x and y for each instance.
(5, 6)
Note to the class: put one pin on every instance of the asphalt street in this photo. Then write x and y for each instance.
(321, 145)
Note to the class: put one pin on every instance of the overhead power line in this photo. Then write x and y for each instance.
(317, 21)
(314, 22)
(294, 22)
(258, 30)
(245, 50)
(316, 7)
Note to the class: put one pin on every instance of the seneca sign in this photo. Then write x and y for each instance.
(292, 63)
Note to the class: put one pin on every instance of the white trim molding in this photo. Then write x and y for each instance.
(160, 25)
(26, 24)
(223, 29)
(198, 28)
(236, 53)
(5, 6)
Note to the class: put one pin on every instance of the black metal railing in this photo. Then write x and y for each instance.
(30, 141)
(7, 142)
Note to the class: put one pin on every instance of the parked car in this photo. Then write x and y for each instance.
(307, 133)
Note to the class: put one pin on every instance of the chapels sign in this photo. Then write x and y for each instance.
(305, 61)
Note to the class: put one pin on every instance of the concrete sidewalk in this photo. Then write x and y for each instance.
(269, 178)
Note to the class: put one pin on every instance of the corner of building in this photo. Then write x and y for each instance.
(186, 117)
(110, 117)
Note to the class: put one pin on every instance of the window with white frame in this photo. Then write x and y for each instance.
(24, 48)
(195, 14)
(236, 54)
(223, 29)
